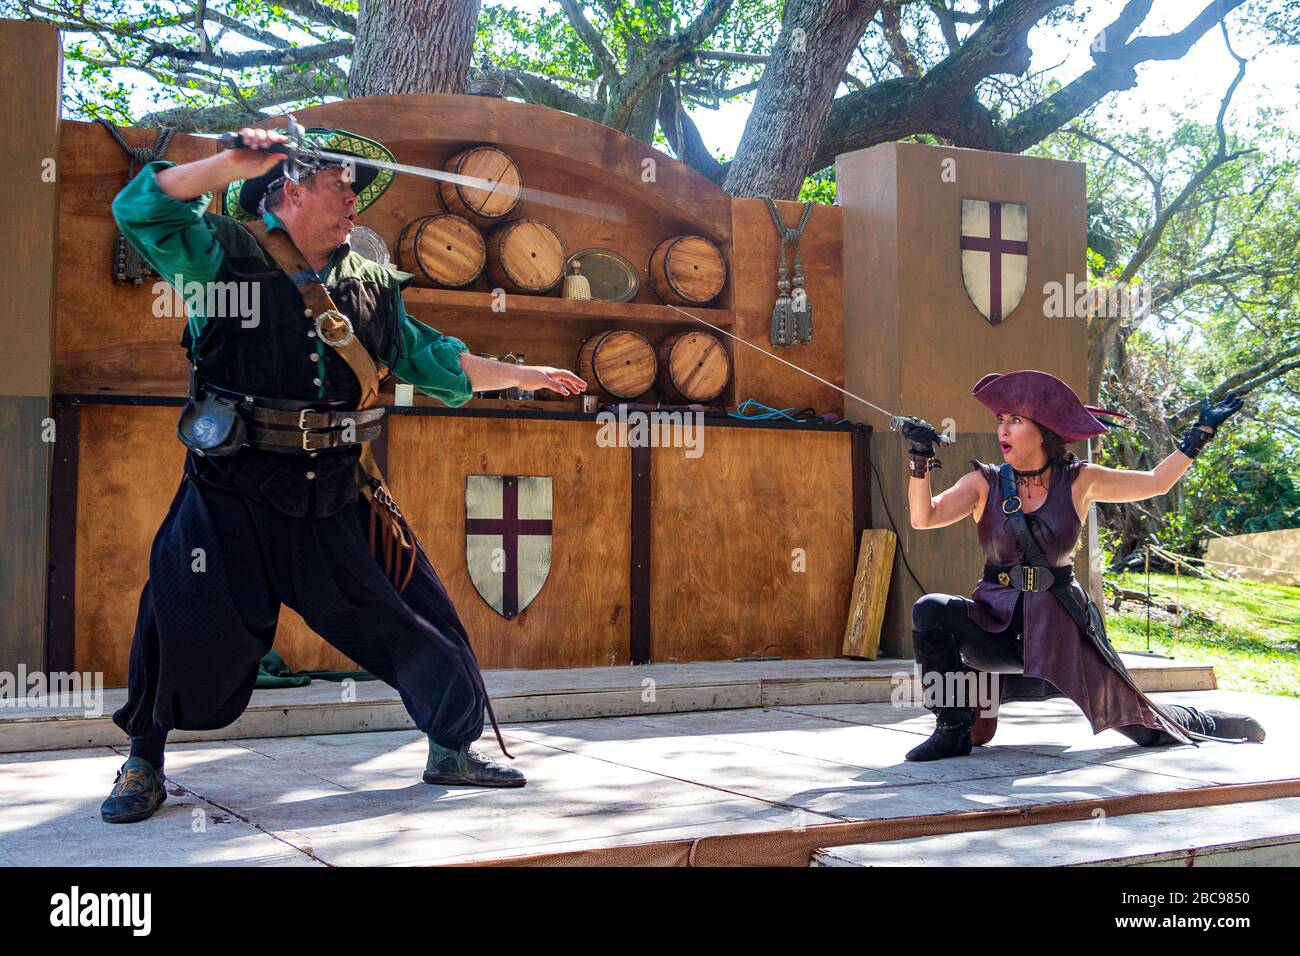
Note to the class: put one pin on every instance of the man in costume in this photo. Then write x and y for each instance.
(1028, 617)
(281, 499)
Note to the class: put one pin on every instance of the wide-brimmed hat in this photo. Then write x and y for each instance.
(244, 196)
(1047, 400)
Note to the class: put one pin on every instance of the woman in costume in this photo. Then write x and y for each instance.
(1017, 621)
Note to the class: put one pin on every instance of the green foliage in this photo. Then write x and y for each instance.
(819, 187)
(1253, 640)
(1225, 278)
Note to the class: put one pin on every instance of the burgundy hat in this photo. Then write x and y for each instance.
(1045, 399)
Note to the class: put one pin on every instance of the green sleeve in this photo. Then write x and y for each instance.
(171, 234)
(431, 361)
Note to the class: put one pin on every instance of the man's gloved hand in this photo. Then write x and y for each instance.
(920, 435)
(1215, 415)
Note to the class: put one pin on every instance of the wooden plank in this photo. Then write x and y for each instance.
(870, 590)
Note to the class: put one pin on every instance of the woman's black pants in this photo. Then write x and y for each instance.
(946, 642)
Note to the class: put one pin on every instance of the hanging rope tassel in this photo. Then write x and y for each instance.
(792, 314)
(781, 318)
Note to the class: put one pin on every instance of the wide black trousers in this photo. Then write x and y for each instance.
(220, 567)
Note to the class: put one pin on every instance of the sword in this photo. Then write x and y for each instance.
(298, 149)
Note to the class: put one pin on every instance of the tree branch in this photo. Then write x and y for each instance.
(253, 58)
(1115, 69)
(693, 152)
(591, 36)
(660, 58)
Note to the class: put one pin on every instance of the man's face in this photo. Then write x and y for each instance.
(324, 206)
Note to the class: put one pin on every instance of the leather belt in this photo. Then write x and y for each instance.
(294, 425)
(1028, 577)
(308, 440)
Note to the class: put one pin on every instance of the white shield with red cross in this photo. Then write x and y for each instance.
(994, 255)
(508, 538)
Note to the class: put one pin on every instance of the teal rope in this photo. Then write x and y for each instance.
(767, 412)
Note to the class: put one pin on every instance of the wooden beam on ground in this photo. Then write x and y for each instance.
(870, 590)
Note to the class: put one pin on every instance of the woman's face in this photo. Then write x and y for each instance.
(1020, 440)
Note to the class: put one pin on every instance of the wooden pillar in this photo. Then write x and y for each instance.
(916, 343)
(30, 93)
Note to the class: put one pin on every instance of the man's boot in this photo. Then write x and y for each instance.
(942, 669)
(1216, 723)
(137, 792)
(467, 766)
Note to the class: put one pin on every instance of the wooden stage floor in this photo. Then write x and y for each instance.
(348, 799)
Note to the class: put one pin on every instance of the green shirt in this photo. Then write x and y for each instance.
(177, 239)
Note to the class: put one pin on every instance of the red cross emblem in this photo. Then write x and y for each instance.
(507, 538)
(994, 255)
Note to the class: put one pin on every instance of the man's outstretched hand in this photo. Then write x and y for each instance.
(534, 377)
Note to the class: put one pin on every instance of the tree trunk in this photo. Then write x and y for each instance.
(794, 96)
(646, 114)
(412, 46)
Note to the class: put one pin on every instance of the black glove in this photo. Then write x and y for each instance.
(1213, 415)
(921, 436)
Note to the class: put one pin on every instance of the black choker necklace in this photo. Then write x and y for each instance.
(1031, 474)
(1027, 477)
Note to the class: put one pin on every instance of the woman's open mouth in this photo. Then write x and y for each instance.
(1005, 447)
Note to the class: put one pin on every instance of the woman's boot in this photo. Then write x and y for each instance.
(1217, 723)
(942, 678)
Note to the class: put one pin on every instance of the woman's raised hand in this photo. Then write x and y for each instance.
(1215, 415)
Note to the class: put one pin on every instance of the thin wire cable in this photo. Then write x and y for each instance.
(756, 348)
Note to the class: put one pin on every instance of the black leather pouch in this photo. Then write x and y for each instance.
(210, 425)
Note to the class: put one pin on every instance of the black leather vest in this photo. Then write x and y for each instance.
(268, 354)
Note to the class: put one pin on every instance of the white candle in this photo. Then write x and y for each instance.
(403, 394)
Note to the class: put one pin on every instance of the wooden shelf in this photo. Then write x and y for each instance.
(568, 310)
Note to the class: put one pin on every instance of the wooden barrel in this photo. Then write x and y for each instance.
(443, 250)
(487, 204)
(686, 270)
(693, 367)
(525, 255)
(617, 364)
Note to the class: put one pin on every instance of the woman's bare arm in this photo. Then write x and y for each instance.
(948, 507)
(1119, 485)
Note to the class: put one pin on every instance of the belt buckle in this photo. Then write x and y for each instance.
(305, 436)
(338, 316)
(1004, 579)
(1031, 578)
(302, 417)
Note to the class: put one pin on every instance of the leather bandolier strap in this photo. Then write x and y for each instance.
(389, 532)
(391, 537)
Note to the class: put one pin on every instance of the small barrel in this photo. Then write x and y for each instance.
(486, 203)
(686, 270)
(525, 255)
(618, 364)
(442, 250)
(693, 367)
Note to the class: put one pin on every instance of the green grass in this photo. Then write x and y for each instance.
(1253, 642)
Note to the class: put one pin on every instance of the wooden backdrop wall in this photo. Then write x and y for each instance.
(751, 543)
(916, 344)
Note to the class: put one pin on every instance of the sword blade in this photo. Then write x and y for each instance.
(587, 207)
